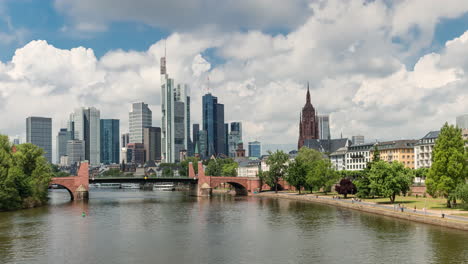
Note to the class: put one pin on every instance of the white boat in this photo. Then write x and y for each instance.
(94, 185)
(130, 186)
(110, 185)
(164, 187)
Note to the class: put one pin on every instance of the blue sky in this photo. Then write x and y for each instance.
(374, 66)
(41, 20)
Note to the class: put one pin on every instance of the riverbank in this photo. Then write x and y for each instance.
(450, 221)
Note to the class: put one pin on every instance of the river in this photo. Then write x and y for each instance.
(171, 227)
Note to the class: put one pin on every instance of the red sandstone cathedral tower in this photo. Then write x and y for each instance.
(308, 124)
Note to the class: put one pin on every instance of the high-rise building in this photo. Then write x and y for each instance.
(152, 143)
(124, 140)
(226, 139)
(203, 144)
(86, 127)
(195, 141)
(139, 118)
(75, 151)
(110, 149)
(255, 149)
(213, 124)
(462, 121)
(16, 141)
(136, 153)
(357, 140)
(39, 133)
(235, 137)
(175, 110)
(324, 126)
(61, 143)
(308, 125)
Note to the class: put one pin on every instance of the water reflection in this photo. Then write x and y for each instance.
(151, 227)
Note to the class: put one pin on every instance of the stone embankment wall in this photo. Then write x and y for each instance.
(365, 208)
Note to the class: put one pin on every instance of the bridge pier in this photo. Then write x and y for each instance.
(81, 194)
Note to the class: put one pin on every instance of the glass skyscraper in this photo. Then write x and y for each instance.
(110, 132)
(235, 137)
(175, 110)
(213, 124)
(61, 144)
(39, 133)
(139, 118)
(255, 149)
(86, 127)
(324, 126)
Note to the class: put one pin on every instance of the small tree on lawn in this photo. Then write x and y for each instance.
(345, 187)
(277, 163)
(296, 175)
(389, 179)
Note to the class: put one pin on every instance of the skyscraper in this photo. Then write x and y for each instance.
(203, 144)
(195, 140)
(324, 126)
(308, 125)
(462, 121)
(357, 140)
(61, 143)
(226, 139)
(87, 126)
(255, 149)
(39, 133)
(152, 143)
(139, 118)
(110, 131)
(235, 137)
(175, 110)
(124, 140)
(75, 151)
(213, 124)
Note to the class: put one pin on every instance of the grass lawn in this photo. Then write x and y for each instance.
(419, 202)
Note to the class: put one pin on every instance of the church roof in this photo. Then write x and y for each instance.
(327, 145)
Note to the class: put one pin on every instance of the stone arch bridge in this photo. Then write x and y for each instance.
(242, 185)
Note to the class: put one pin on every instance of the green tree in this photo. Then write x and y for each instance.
(296, 175)
(321, 175)
(24, 175)
(184, 166)
(277, 163)
(448, 168)
(167, 172)
(389, 179)
(229, 169)
(215, 166)
(462, 193)
(375, 154)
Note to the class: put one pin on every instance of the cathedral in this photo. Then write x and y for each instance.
(308, 123)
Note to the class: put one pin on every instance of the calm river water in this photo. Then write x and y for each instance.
(171, 227)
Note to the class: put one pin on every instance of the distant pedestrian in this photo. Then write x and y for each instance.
(414, 209)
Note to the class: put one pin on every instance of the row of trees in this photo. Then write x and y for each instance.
(24, 175)
(310, 170)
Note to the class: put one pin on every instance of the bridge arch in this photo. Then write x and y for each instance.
(239, 188)
(72, 196)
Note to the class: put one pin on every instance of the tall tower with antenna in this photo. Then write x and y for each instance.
(175, 112)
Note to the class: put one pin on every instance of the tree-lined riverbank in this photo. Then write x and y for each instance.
(428, 217)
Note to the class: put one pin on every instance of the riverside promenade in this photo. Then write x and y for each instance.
(422, 216)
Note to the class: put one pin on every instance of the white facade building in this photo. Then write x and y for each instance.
(423, 150)
(338, 159)
(358, 156)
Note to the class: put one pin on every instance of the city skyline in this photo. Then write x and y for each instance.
(251, 71)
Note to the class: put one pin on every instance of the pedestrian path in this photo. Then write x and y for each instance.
(394, 208)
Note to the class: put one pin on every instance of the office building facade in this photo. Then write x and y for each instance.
(235, 137)
(110, 149)
(61, 143)
(357, 140)
(462, 121)
(39, 133)
(152, 143)
(75, 151)
(255, 149)
(139, 117)
(86, 127)
(175, 111)
(324, 126)
(213, 124)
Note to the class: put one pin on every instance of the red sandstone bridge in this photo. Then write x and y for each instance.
(200, 184)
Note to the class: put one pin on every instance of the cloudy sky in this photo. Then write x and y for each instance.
(387, 69)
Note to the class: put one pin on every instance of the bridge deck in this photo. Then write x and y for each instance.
(140, 180)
